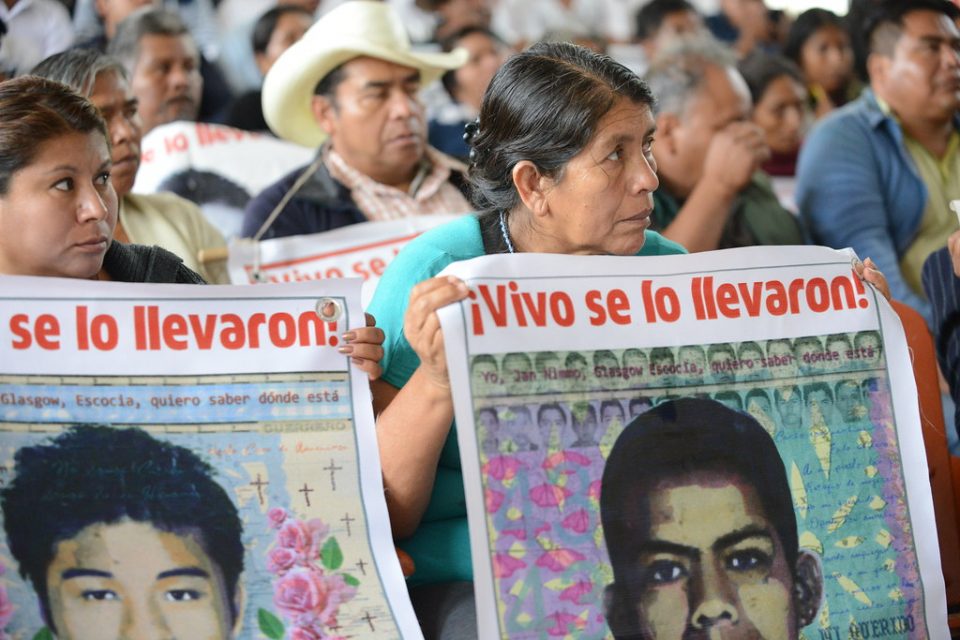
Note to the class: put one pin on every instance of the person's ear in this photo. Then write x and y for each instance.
(877, 67)
(263, 64)
(325, 113)
(531, 187)
(808, 585)
(668, 125)
(239, 605)
(621, 617)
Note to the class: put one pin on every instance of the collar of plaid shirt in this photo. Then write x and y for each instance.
(430, 192)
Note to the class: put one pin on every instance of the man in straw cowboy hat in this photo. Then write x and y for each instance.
(350, 87)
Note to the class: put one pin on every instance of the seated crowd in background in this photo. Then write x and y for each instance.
(392, 100)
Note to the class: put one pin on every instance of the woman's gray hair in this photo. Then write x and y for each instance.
(78, 69)
(679, 71)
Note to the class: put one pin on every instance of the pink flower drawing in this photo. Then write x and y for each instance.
(310, 598)
(576, 593)
(280, 560)
(277, 516)
(305, 538)
(562, 621)
(519, 534)
(548, 495)
(306, 590)
(559, 559)
(502, 468)
(492, 499)
(505, 565)
(558, 458)
(6, 610)
(578, 521)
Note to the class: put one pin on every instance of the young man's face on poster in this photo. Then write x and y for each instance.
(712, 566)
(131, 580)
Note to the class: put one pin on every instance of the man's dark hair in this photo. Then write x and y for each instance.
(662, 353)
(547, 407)
(563, 84)
(638, 402)
(728, 397)
(265, 25)
(813, 387)
(778, 392)
(676, 440)
(721, 347)
(612, 403)
(484, 358)
(756, 393)
(884, 22)
(650, 17)
(760, 69)
(95, 474)
(202, 187)
(125, 45)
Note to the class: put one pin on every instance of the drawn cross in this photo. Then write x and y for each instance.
(369, 619)
(362, 566)
(306, 491)
(259, 484)
(346, 519)
(333, 468)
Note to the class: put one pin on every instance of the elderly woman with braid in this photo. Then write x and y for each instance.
(561, 162)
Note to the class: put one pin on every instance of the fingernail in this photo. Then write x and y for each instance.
(345, 349)
(349, 335)
(356, 361)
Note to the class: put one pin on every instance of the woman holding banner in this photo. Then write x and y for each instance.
(58, 206)
(561, 162)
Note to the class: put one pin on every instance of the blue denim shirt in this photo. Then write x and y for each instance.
(858, 187)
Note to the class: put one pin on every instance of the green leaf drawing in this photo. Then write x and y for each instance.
(270, 625)
(350, 580)
(330, 555)
(43, 634)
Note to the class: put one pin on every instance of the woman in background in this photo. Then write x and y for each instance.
(820, 46)
(779, 108)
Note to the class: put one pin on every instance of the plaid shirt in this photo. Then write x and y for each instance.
(436, 194)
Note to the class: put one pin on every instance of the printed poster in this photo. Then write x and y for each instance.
(715, 445)
(215, 166)
(360, 250)
(190, 462)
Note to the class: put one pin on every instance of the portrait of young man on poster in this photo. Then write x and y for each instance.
(123, 535)
(700, 529)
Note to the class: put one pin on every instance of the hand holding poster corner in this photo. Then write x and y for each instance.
(190, 462)
(561, 365)
(360, 250)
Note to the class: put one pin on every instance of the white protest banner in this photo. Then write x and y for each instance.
(184, 461)
(724, 443)
(217, 167)
(361, 250)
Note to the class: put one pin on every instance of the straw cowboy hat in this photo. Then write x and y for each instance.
(355, 28)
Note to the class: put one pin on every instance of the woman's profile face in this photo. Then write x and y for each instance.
(58, 214)
(112, 96)
(781, 113)
(602, 201)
